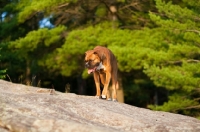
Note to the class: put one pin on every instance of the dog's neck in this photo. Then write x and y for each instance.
(101, 66)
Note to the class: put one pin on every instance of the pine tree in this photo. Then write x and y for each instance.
(175, 65)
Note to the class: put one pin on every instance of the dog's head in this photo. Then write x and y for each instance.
(92, 60)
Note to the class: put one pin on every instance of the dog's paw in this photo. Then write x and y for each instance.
(97, 97)
(114, 100)
(109, 99)
(103, 96)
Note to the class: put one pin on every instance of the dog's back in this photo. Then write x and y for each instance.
(108, 53)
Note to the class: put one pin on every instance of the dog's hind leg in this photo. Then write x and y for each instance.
(114, 85)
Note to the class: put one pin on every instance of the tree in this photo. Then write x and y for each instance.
(175, 65)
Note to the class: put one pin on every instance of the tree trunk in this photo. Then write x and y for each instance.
(81, 85)
(28, 73)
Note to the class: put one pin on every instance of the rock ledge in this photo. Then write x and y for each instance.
(24, 108)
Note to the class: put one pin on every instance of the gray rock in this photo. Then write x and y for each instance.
(30, 109)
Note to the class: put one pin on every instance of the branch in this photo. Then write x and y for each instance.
(192, 60)
(130, 5)
(73, 12)
(187, 108)
(197, 99)
(195, 31)
(63, 5)
(179, 62)
(192, 107)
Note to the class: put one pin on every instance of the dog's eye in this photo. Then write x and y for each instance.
(91, 60)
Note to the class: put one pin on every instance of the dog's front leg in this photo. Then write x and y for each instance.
(103, 79)
(97, 83)
(105, 89)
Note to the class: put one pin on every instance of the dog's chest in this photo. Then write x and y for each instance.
(101, 67)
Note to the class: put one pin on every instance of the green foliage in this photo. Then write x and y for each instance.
(101, 10)
(2, 72)
(175, 77)
(35, 41)
(176, 103)
(31, 7)
(179, 69)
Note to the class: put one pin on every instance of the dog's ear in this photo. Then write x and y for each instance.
(89, 52)
(100, 54)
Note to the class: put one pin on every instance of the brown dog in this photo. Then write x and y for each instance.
(103, 64)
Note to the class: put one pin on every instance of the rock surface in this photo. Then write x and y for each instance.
(30, 109)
